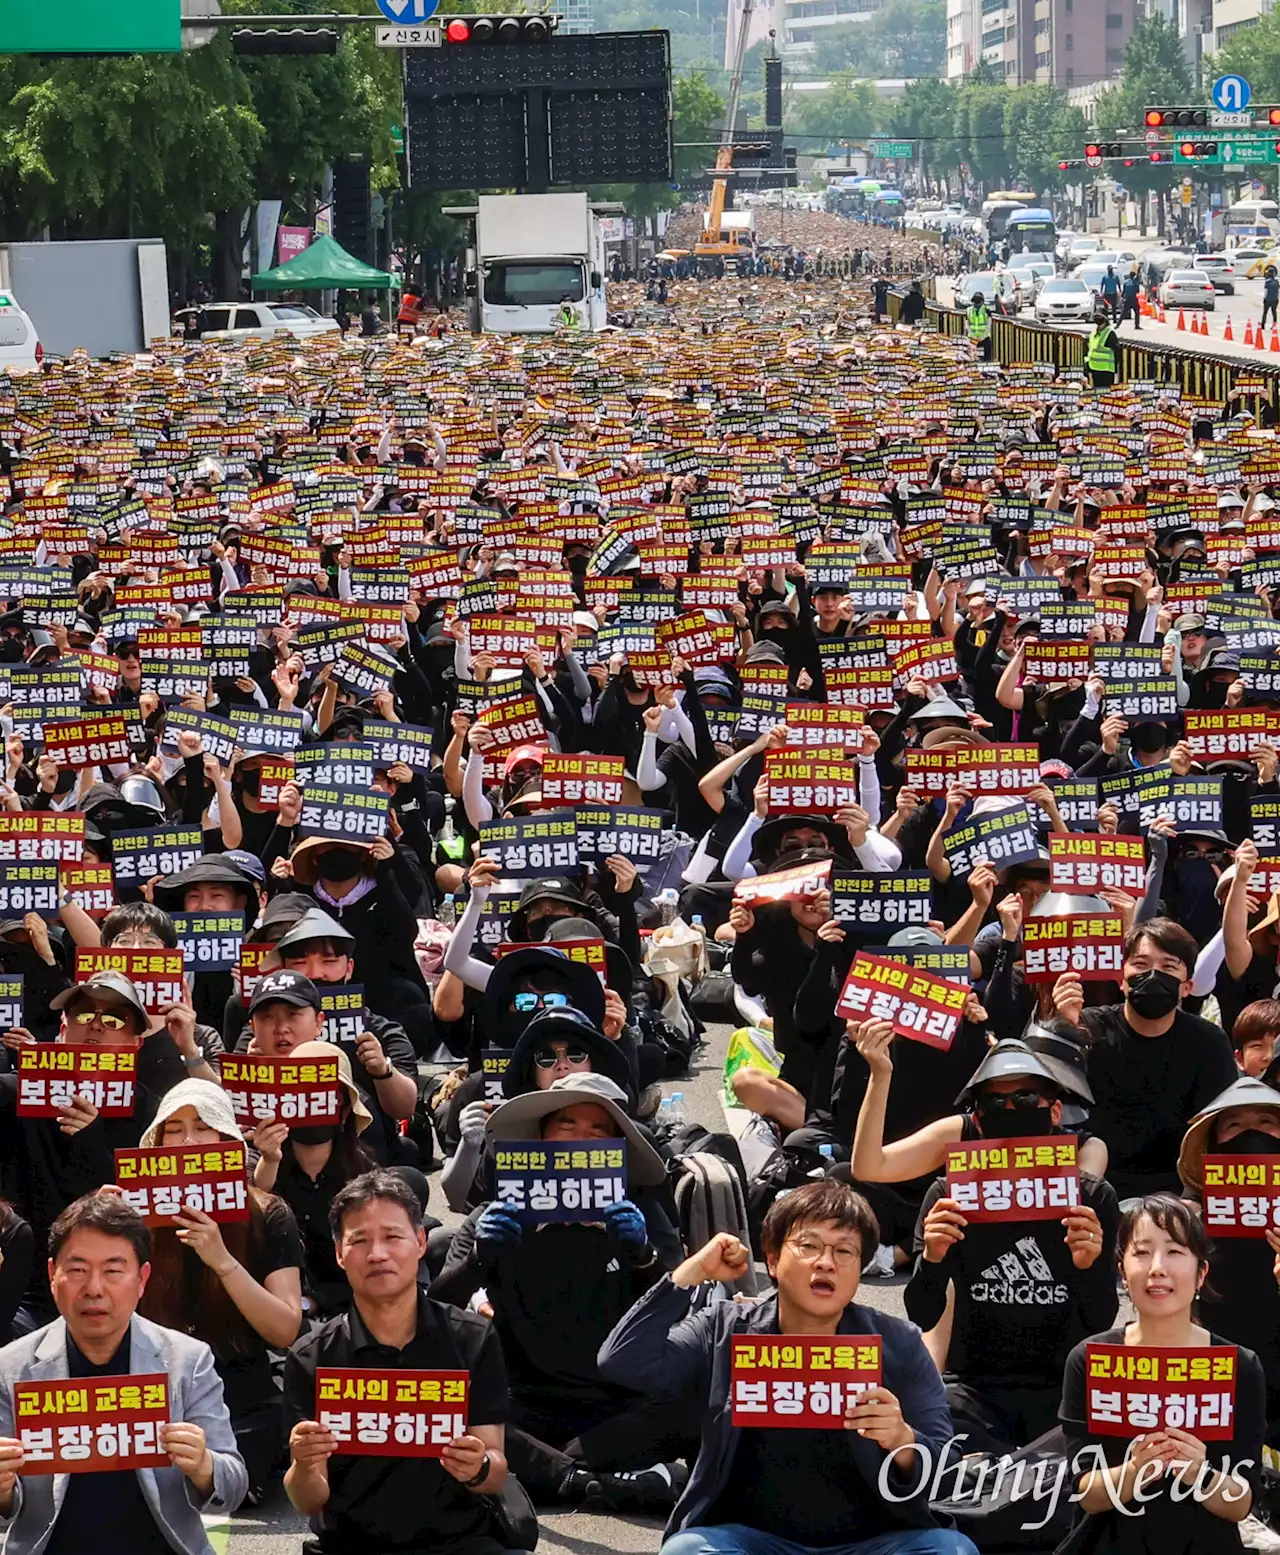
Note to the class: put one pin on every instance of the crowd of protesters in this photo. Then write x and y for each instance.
(408, 741)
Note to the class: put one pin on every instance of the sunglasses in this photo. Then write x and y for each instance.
(1006, 1101)
(110, 1021)
(548, 1058)
(524, 1002)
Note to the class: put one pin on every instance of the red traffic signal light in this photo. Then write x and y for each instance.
(498, 29)
(1092, 151)
(1154, 118)
(1192, 150)
(1178, 118)
(1160, 156)
(1273, 116)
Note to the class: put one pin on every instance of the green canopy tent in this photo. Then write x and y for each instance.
(324, 266)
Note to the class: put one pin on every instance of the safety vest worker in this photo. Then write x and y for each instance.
(1100, 355)
(568, 318)
(410, 311)
(979, 320)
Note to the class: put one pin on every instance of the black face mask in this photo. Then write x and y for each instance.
(1154, 994)
(1148, 738)
(339, 866)
(314, 1134)
(1017, 1122)
(1251, 1142)
(1210, 693)
(250, 780)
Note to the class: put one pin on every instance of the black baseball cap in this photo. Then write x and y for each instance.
(285, 987)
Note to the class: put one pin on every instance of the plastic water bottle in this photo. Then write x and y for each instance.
(663, 1120)
(696, 922)
(667, 902)
(675, 1116)
(448, 914)
(828, 1154)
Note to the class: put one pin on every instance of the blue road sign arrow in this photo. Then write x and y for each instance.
(409, 13)
(1230, 93)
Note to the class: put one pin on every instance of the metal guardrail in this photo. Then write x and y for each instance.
(1207, 377)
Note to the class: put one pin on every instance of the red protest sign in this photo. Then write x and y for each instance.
(984, 769)
(1014, 1179)
(807, 785)
(1053, 661)
(88, 742)
(783, 885)
(824, 726)
(272, 777)
(650, 668)
(1230, 734)
(590, 952)
(1131, 1389)
(934, 659)
(250, 970)
(90, 886)
(38, 836)
(582, 779)
(870, 689)
(298, 1092)
(1089, 944)
(92, 1425)
(921, 1006)
(507, 638)
(1081, 862)
(52, 1074)
(157, 975)
(801, 1381)
(160, 1181)
(691, 637)
(1240, 1195)
(392, 1414)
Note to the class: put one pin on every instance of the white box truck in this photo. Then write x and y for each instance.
(533, 254)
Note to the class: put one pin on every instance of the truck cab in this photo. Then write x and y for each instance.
(538, 262)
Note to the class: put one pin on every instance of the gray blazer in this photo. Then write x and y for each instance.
(196, 1397)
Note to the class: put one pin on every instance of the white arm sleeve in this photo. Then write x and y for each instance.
(1208, 965)
(736, 863)
(474, 799)
(879, 854)
(647, 774)
(869, 788)
(457, 957)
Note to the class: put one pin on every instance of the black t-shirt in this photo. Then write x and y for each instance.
(309, 1199)
(1172, 1528)
(245, 1373)
(801, 1486)
(1147, 1088)
(1020, 1301)
(1233, 993)
(106, 1513)
(409, 1506)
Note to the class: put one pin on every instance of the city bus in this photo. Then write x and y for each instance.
(1031, 231)
(996, 210)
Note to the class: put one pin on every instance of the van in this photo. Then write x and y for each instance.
(20, 348)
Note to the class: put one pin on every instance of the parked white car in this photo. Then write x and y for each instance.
(20, 348)
(1082, 248)
(261, 320)
(1064, 299)
(1187, 289)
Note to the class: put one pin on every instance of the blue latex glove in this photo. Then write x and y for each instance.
(497, 1231)
(626, 1228)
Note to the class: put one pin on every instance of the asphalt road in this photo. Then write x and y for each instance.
(1246, 304)
(275, 1529)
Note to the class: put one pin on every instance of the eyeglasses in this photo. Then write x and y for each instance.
(548, 1058)
(524, 1002)
(105, 1017)
(808, 1249)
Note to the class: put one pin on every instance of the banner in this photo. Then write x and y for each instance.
(921, 1006)
(530, 846)
(575, 780)
(824, 726)
(587, 952)
(345, 815)
(493, 1064)
(1089, 944)
(96, 1425)
(90, 742)
(878, 904)
(782, 885)
(156, 975)
(209, 941)
(1008, 837)
(1081, 863)
(39, 835)
(558, 1182)
(808, 785)
(1240, 1195)
(28, 888)
(392, 1414)
(1014, 1179)
(801, 1381)
(90, 886)
(1229, 734)
(299, 1092)
(52, 1074)
(160, 850)
(1132, 1389)
(984, 769)
(160, 1181)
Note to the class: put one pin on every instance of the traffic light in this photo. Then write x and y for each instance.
(1176, 118)
(1195, 150)
(1160, 156)
(1105, 148)
(1065, 167)
(293, 40)
(498, 29)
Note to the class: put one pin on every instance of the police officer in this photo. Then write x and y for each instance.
(1100, 355)
(978, 323)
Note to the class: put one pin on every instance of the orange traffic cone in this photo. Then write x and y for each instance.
(1275, 338)
(1226, 333)
(1164, 317)
(1182, 322)
(1204, 323)
(1248, 332)
(1260, 339)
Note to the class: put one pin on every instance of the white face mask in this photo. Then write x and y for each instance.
(169, 765)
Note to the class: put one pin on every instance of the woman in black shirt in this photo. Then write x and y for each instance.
(1194, 1500)
(237, 1286)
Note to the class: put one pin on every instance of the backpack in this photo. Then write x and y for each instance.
(788, 1167)
(708, 1198)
